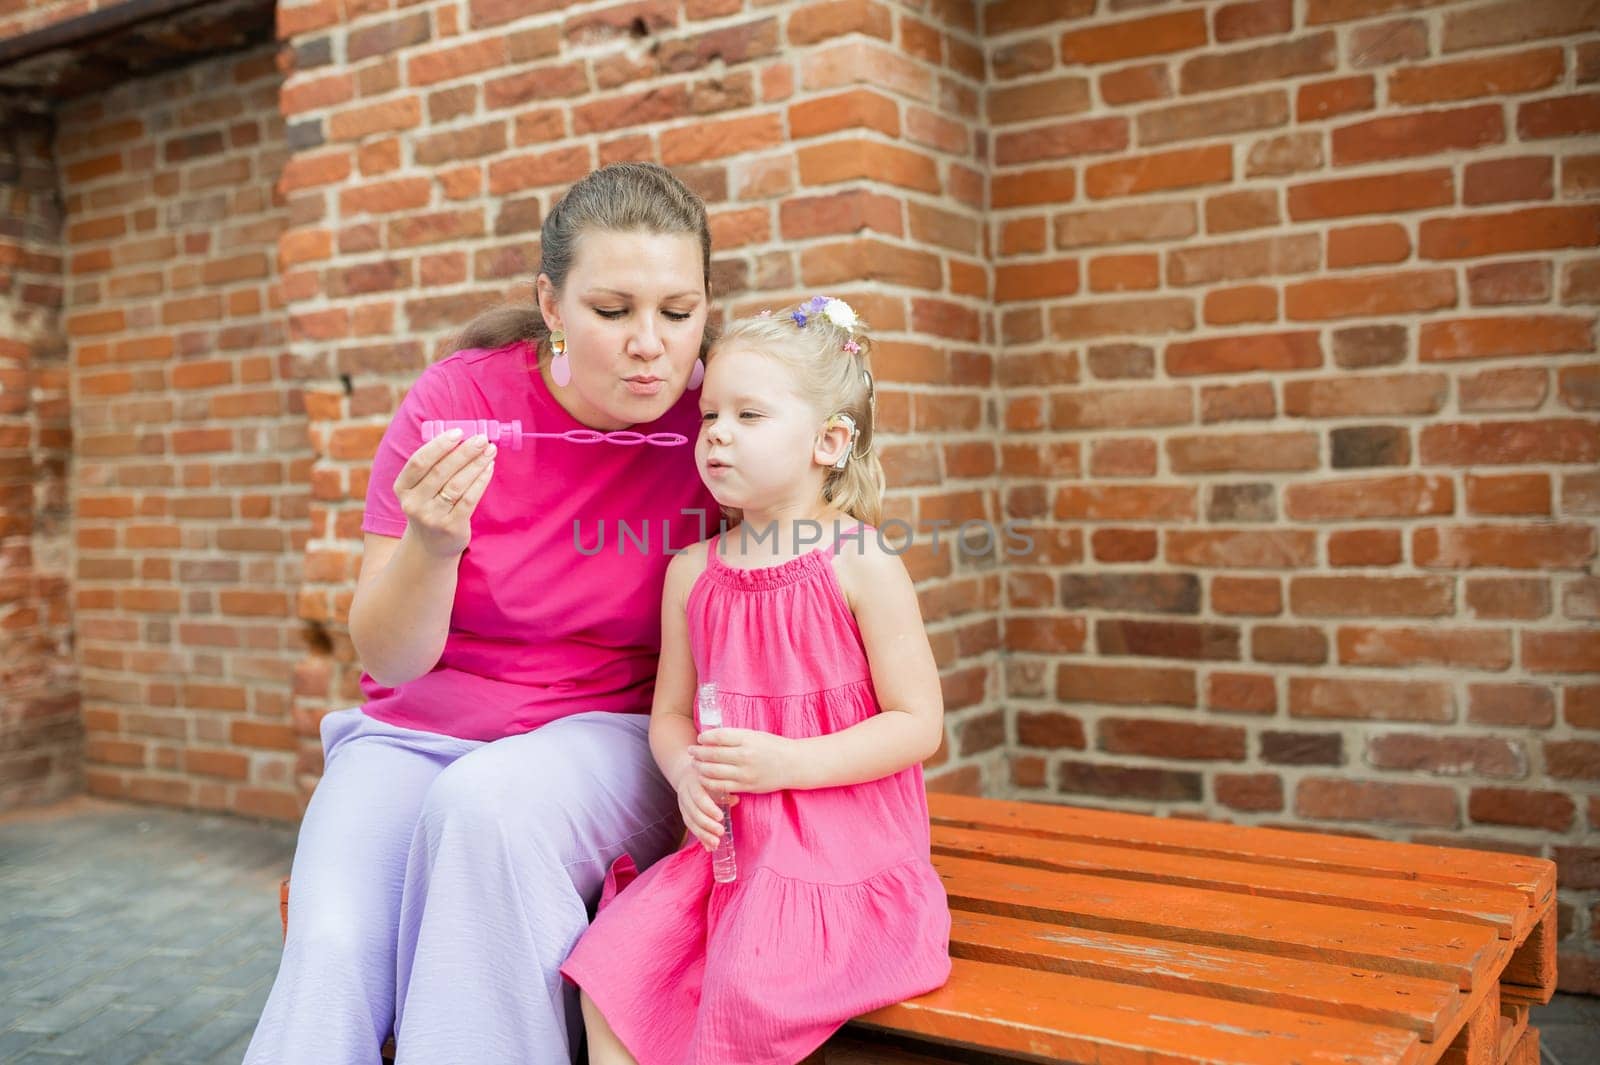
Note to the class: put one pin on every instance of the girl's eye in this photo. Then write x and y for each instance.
(749, 415)
(708, 416)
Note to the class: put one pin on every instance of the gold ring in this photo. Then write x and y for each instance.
(452, 500)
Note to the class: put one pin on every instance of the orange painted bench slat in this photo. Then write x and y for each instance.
(1122, 939)
(1534, 877)
(1415, 1004)
(1438, 950)
(1505, 910)
(1077, 1019)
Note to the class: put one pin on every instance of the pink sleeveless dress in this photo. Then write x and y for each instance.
(837, 909)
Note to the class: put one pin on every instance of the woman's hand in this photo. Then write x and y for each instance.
(439, 488)
(698, 805)
(744, 760)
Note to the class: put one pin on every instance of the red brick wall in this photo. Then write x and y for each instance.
(838, 146)
(1297, 311)
(41, 732)
(191, 464)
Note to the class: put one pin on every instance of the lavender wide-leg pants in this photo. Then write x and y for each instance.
(439, 883)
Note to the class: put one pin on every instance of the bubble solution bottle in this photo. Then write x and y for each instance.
(724, 868)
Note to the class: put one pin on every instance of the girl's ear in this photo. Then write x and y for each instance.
(833, 443)
(548, 309)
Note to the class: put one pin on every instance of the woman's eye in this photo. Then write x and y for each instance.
(609, 314)
(678, 316)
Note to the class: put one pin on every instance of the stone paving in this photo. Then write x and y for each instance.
(134, 935)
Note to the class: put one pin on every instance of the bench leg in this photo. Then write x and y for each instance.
(1529, 1047)
(1478, 1042)
(1530, 976)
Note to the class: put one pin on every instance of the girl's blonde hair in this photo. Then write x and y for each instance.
(834, 379)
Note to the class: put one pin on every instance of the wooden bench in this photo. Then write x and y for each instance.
(1090, 936)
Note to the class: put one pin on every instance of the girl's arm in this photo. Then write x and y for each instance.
(911, 726)
(672, 711)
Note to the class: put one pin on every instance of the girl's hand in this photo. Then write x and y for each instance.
(698, 805)
(439, 488)
(745, 760)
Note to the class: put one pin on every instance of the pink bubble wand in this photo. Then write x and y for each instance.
(511, 434)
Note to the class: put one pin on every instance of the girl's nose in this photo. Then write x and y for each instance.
(716, 433)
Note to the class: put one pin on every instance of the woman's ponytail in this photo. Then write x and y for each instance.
(499, 326)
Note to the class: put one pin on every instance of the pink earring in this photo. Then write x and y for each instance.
(560, 367)
(697, 375)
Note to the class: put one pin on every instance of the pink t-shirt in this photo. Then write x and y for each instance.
(549, 620)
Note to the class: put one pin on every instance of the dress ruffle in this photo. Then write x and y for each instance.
(784, 573)
(814, 713)
(806, 957)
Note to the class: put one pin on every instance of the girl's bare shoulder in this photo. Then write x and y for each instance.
(867, 564)
(687, 565)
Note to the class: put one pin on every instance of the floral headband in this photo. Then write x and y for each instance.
(836, 311)
(840, 314)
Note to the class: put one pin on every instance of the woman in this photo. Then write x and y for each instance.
(467, 813)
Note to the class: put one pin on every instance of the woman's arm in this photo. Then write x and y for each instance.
(401, 611)
(400, 614)
(911, 726)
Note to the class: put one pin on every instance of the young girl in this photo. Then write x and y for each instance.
(830, 701)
